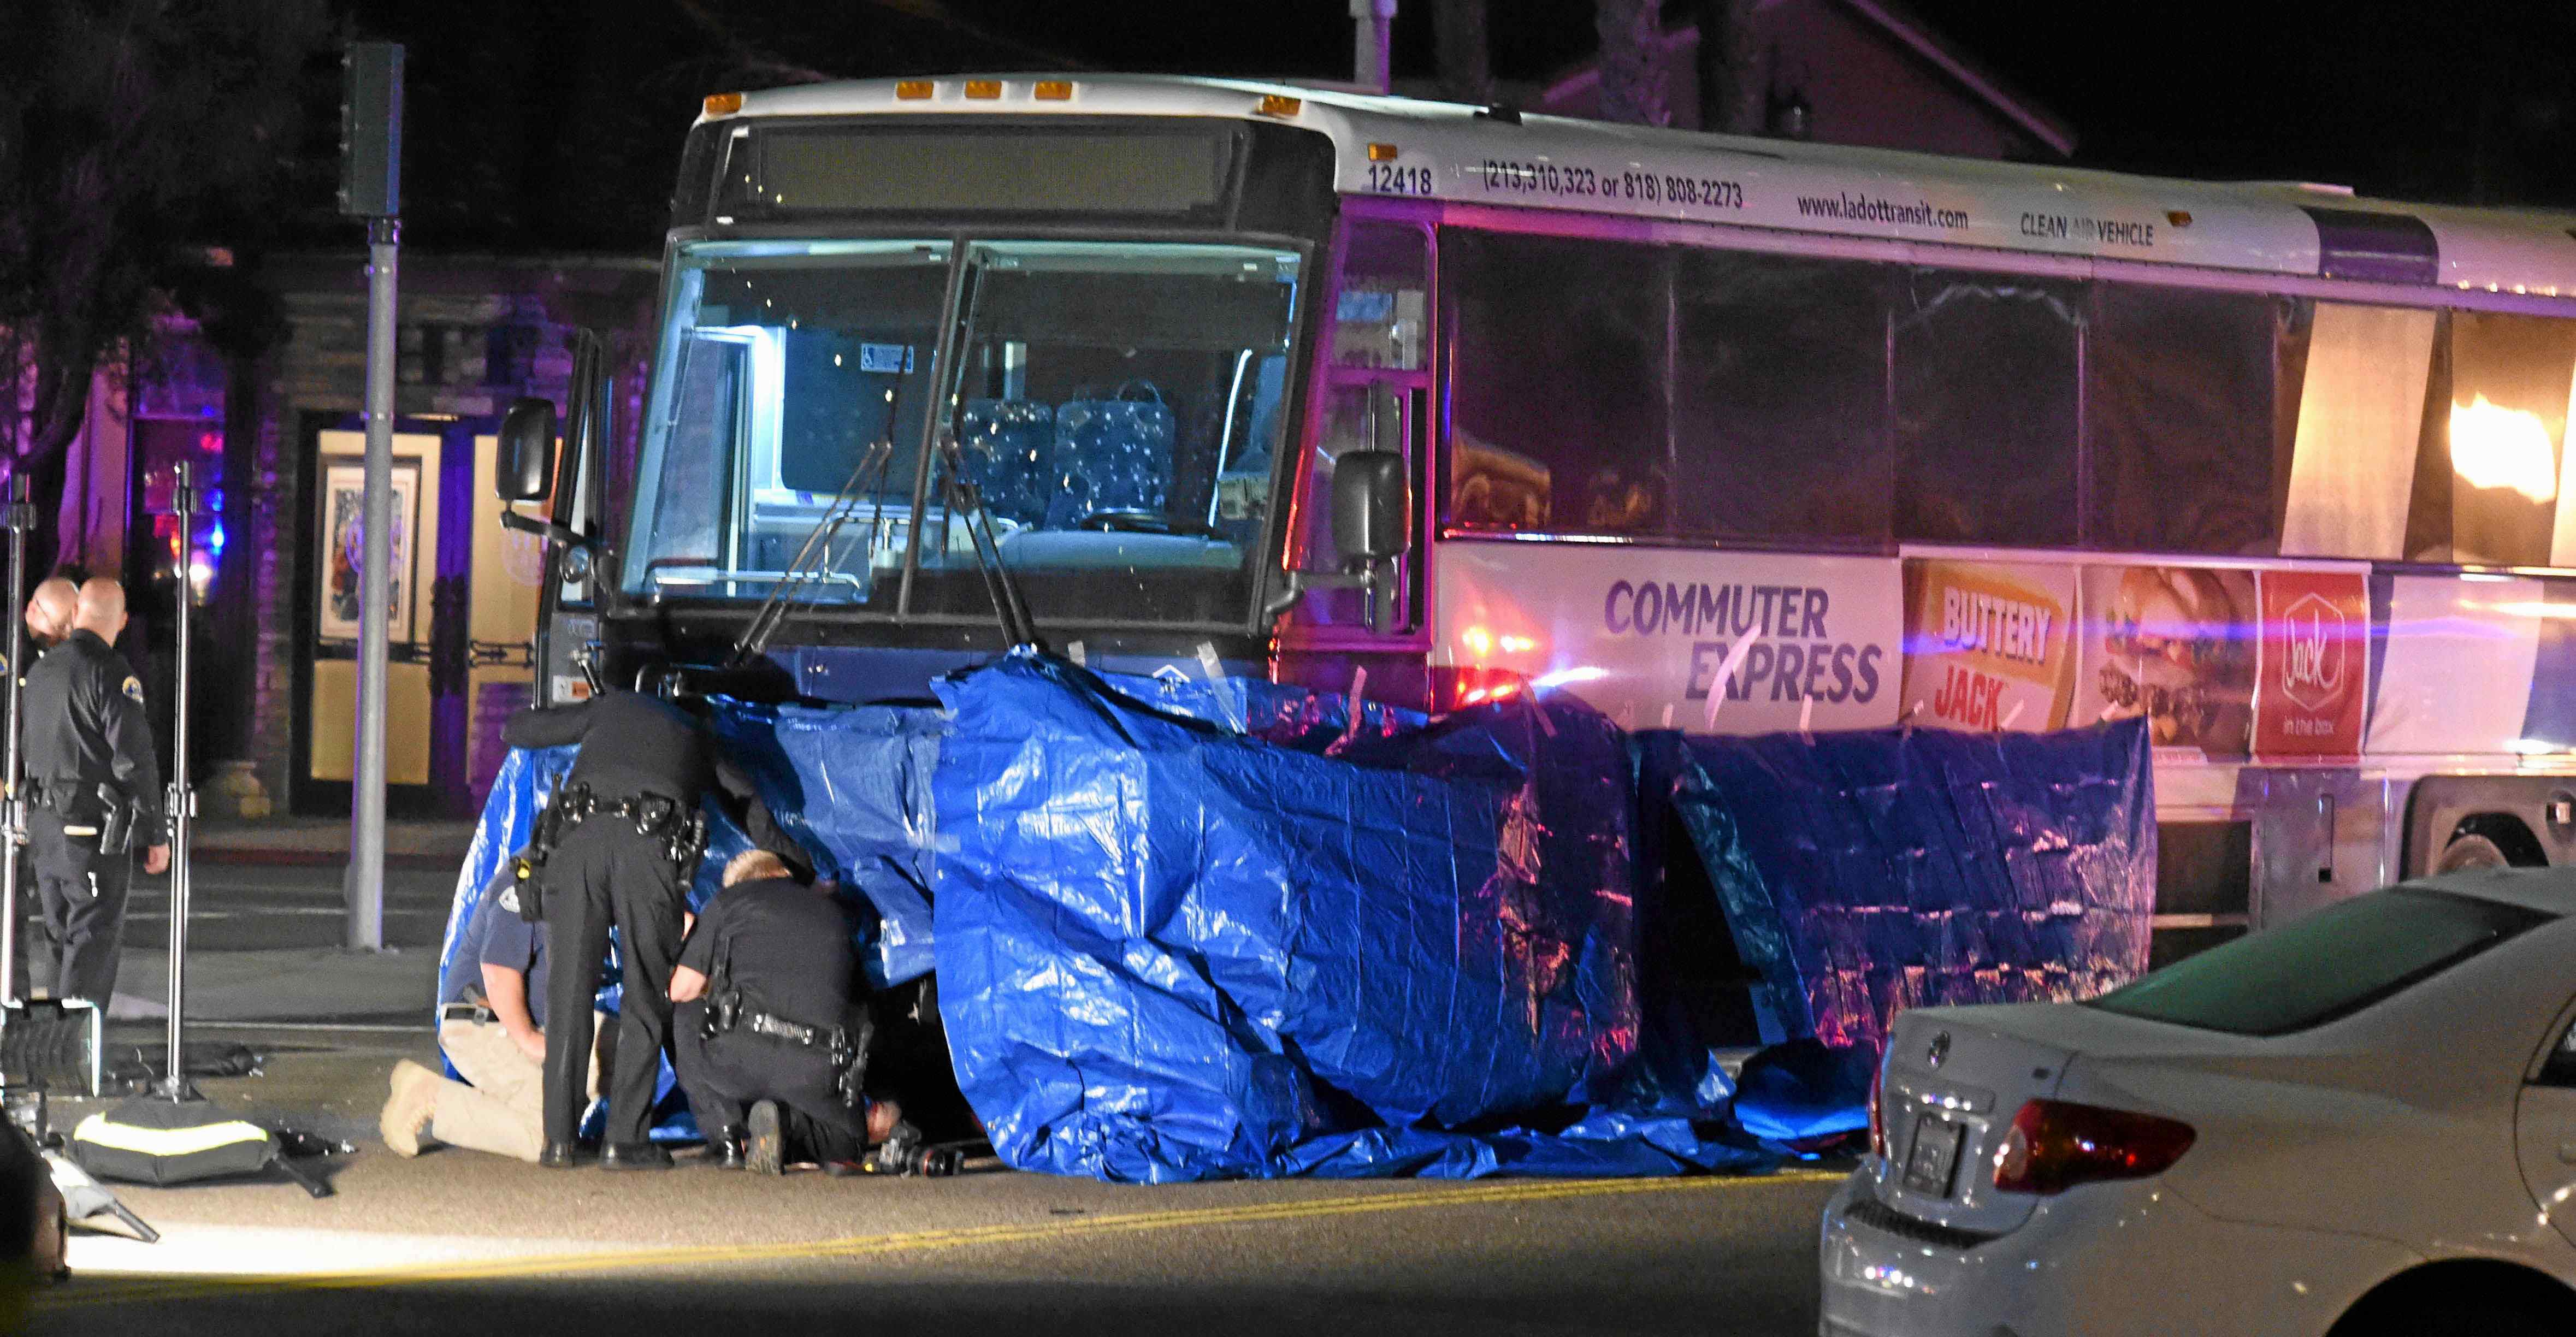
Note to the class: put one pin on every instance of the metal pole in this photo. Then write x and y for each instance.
(1372, 22)
(13, 817)
(365, 888)
(183, 795)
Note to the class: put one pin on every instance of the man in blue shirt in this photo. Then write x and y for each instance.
(492, 1025)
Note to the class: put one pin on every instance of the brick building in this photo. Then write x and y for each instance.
(284, 438)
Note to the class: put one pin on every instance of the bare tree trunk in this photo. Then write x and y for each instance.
(1734, 78)
(1466, 61)
(60, 405)
(1632, 67)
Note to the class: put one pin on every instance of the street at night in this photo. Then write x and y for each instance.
(1765, 667)
(422, 1246)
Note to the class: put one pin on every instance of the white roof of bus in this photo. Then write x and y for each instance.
(1449, 152)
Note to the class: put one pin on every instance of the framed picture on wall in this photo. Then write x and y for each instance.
(344, 539)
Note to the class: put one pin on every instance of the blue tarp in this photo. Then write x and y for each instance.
(1170, 950)
(1867, 872)
(1189, 929)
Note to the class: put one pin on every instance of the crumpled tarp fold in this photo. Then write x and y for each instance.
(1867, 872)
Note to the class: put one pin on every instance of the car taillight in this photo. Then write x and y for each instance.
(1877, 1121)
(2055, 1145)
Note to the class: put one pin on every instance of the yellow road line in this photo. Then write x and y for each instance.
(919, 1241)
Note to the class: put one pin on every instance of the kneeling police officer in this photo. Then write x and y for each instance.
(773, 1038)
(629, 834)
(94, 791)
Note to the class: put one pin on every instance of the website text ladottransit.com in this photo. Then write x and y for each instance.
(1869, 209)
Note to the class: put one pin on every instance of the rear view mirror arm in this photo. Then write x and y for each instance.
(544, 529)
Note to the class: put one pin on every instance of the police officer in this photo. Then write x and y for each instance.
(94, 791)
(50, 611)
(644, 764)
(771, 1038)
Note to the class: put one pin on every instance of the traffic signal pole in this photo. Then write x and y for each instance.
(370, 186)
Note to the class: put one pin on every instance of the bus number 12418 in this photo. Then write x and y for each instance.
(1396, 179)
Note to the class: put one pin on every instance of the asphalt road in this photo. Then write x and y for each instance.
(237, 906)
(456, 1242)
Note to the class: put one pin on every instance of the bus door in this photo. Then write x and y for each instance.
(1379, 335)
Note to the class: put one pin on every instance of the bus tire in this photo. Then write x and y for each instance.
(2471, 851)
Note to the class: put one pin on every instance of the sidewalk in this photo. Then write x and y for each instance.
(325, 840)
(303, 985)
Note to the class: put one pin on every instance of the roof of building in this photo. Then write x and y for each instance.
(1906, 30)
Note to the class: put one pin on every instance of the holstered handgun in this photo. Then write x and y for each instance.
(116, 820)
(686, 845)
(723, 1012)
(565, 808)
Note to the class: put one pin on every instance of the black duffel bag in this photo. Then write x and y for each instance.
(154, 1140)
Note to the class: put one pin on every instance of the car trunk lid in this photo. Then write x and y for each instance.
(1949, 1087)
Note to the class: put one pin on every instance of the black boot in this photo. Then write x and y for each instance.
(559, 1156)
(725, 1150)
(634, 1156)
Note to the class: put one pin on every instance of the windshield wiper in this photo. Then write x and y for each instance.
(1018, 628)
(814, 556)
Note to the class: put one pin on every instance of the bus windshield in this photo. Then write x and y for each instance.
(1117, 405)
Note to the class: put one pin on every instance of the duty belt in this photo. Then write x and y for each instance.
(846, 1049)
(86, 808)
(681, 829)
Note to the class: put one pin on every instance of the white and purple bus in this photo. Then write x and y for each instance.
(1723, 435)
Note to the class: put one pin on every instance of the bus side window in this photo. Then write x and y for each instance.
(1380, 333)
(1379, 313)
(1345, 428)
(695, 471)
(2501, 430)
(2357, 409)
(1780, 399)
(1559, 370)
(1987, 408)
(2184, 449)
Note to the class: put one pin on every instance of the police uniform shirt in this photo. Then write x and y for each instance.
(782, 942)
(497, 935)
(632, 744)
(85, 726)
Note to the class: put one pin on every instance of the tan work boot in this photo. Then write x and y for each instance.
(405, 1122)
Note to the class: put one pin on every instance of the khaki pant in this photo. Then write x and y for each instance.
(503, 1112)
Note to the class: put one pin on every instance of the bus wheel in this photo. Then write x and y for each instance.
(2471, 852)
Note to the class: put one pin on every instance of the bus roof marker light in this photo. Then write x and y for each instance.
(2178, 217)
(1383, 152)
(983, 90)
(1053, 90)
(1280, 105)
(913, 90)
(723, 104)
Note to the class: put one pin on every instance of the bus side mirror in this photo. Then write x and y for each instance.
(1372, 506)
(526, 468)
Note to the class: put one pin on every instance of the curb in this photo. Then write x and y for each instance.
(289, 858)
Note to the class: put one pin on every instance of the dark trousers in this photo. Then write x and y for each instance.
(725, 1075)
(80, 911)
(604, 874)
